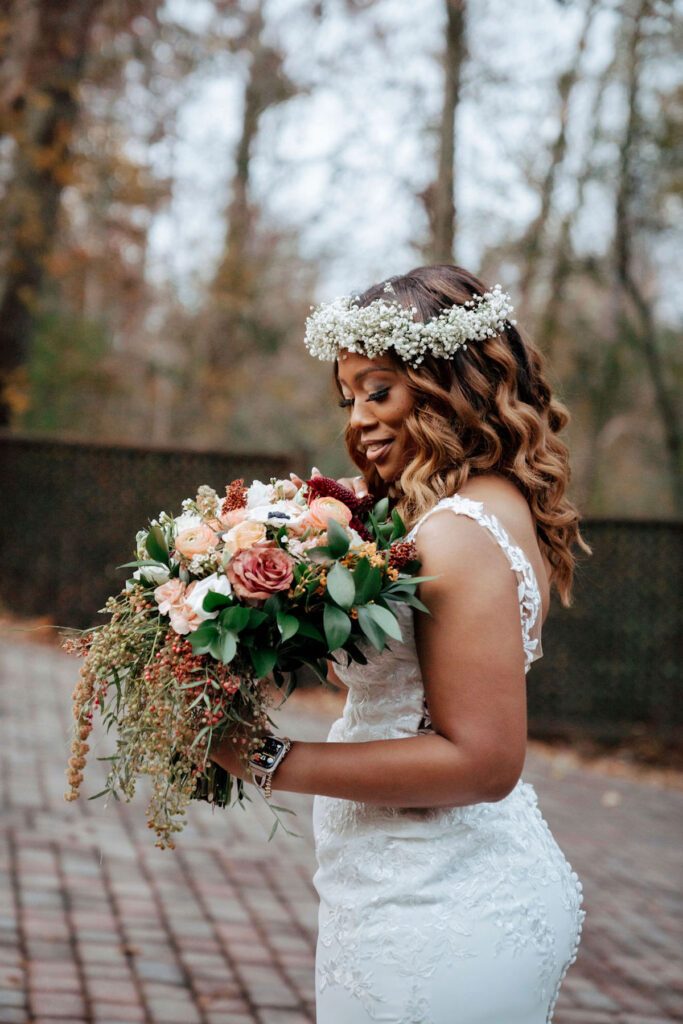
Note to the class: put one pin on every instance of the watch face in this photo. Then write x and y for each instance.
(266, 757)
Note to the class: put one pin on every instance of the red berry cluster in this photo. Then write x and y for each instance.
(177, 655)
(401, 554)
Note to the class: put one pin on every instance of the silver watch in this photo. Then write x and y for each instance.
(266, 759)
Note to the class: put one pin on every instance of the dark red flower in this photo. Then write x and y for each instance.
(326, 487)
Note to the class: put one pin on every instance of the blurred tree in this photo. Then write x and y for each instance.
(237, 317)
(43, 48)
(439, 196)
(633, 213)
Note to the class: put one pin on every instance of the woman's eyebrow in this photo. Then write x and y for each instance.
(371, 369)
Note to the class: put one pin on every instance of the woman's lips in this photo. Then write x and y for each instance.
(376, 451)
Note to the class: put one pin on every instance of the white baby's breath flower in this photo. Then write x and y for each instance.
(383, 324)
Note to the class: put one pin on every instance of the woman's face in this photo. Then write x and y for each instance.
(376, 393)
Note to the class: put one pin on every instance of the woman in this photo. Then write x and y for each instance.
(443, 896)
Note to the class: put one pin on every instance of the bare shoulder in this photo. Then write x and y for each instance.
(502, 497)
(499, 495)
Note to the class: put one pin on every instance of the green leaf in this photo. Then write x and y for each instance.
(287, 624)
(215, 647)
(203, 637)
(156, 545)
(337, 626)
(337, 539)
(399, 526)
(234, 618)
(381, 509)
(372, 630)
(415, 602)
(256, 617)
(340, 586)
(214, 600)
(263, 659)
(140, 563)
(306, 629)
(385, 619)
(228, 647)
(370, 586)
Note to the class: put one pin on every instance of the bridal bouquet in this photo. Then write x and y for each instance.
(226, 602)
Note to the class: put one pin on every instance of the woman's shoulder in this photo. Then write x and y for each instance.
(497, 494)
(499, 497)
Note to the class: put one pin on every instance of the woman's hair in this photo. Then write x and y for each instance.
(489, 408)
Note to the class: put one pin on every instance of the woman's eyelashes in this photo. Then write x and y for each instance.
(376, 396)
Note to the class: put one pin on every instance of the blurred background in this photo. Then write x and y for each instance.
(181, 179)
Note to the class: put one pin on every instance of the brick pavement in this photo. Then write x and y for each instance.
(99, 926)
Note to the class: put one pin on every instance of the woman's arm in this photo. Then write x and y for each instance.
(472, 661)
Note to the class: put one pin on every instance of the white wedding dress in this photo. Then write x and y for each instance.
(456, 915)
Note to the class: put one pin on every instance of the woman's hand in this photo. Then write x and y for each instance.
(357, 484)
(229, 754)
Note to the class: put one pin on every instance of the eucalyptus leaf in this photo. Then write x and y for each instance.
(214, 600)
(203, 637)
(337, 626)
(370, 585)
(386, 619)
(234, 618)
(381, 509)
(337, 539)
(156, 545)
(287, 624)
(309, 630)
(371, 628)
(263, 659)
(228, 647)
(340, 586)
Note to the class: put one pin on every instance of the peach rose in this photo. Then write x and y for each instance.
(243, 535)
(196, 540)
(260, 570)
(169, 594)
(322, 509)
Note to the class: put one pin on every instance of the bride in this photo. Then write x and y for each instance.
(444, 898)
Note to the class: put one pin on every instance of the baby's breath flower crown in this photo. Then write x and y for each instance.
(382, 324)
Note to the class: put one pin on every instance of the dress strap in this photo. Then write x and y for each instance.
(528, 591)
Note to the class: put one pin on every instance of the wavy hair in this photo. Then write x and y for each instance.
(489, 408)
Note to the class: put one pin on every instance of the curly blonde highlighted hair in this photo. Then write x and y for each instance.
(488, 409)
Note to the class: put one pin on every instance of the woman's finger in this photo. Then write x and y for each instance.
(356, 484)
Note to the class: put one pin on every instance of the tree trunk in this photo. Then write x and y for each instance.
(533, 243)
(439, 197)
(632, 295)
(39, 112)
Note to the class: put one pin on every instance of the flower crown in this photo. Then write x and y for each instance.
(383, 324)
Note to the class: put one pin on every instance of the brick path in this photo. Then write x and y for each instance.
(99, 926)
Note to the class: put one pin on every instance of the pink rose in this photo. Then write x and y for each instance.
(169, 595)
(260, 570)
(171, 598)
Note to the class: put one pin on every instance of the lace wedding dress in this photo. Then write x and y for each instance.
(456, 915)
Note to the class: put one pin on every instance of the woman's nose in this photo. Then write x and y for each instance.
(361, 415)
